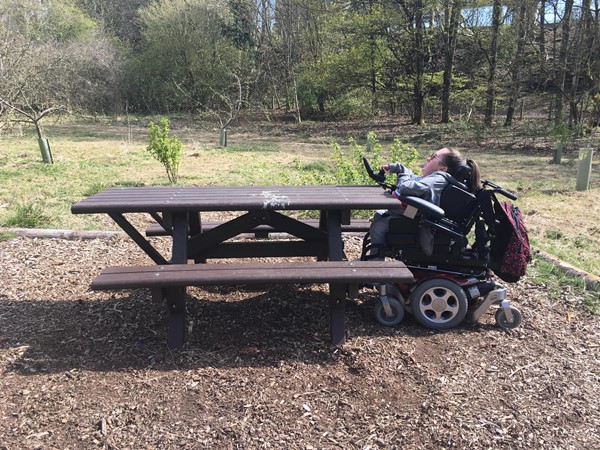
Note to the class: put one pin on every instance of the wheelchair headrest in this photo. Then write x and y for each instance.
(461, 174)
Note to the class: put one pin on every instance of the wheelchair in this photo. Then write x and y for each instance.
(453, 281)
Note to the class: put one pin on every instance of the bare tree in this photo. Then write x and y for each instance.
(583, 46)
(561, 71)
(517, 62)
(452, 9)
(420, 56)
(231, 108)
(289, 48)
(493, 61)
(35, 117)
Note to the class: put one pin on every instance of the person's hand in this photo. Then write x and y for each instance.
(385, 168)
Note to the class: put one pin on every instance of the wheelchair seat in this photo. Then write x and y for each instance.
(450, 231)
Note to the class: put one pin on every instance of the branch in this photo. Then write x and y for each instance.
(238, 104)
(233, 105)
(33, 117)
(20, 111)
(51, 110)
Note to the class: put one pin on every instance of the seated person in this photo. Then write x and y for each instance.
(435, 176)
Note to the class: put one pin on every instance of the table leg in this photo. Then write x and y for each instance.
(158, 295)
(180, 238)
(334, 236)
(140, 240)
(195, 230)
(176, 304)
(337, 309)
(176, 297)
(337, 292)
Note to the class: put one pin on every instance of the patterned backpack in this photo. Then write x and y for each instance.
(510, 249)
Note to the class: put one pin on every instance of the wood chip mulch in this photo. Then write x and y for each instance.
(82, 369)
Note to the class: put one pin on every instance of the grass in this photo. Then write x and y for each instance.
(28, 215)
(7, 236)
(92, 155)
(561, 286)
(251, 148)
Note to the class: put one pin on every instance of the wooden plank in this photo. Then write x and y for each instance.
(262, 249)
(342, 272)
(356, 225)
(234, 198)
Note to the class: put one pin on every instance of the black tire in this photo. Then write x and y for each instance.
(397, 313)
(503, 322)
(438, 304)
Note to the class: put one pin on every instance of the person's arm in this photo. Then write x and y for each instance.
(429, 187)
(397, 168)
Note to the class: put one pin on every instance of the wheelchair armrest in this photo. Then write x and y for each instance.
(426, 208)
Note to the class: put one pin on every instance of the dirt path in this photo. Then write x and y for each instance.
(83, 369)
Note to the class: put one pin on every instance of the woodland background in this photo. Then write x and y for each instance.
(486, 61)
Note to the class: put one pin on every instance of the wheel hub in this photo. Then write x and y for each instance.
(439, 305)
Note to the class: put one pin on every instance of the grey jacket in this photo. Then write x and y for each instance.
(429, 188)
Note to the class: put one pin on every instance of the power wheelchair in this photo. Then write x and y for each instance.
(455, 281)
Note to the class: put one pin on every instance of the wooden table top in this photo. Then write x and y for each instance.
(235, 198)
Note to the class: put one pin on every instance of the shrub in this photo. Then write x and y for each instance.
(349, 168)
(165, 149)
(405, 154)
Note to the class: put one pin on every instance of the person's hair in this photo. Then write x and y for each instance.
(454, 160)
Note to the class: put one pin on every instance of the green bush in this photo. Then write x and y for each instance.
(348, 165)
(28, 215)
(405, 154)
(167, 150)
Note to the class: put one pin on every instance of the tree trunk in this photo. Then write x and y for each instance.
(493, 57)
(450, 35)
(583, 54)
(373, 68)
(298, 116)
(562, 63)
(517, 65)
(542, 39)
(418, 94)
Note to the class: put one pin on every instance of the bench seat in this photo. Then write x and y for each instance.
(262, 231)
(174, 275)
(170, 281)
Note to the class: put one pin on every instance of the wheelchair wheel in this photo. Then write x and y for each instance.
(438, 304)
(503, 322)
(397, 313)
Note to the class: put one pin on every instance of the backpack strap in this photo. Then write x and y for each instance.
(485, 225)
(488, 202)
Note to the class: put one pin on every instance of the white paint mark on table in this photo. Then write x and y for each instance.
(274, 200)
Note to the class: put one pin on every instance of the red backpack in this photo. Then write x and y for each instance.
(510, 249)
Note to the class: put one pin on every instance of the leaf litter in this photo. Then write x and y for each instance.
(85, 369)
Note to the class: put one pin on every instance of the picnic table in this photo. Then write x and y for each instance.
(179, 211)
